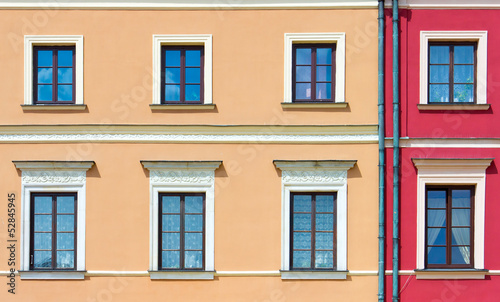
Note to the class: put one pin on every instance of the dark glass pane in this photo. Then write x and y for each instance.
(302, 203)
(324, 241)
(439, 54)
(45, 58)
(42, 259)
(436, 199)
(43, 241)
(193, 93)
(65, 204)
(65, 241)
(65, 92)
(463, 74)
(193, 259)
(436, 255)
(324, 73)
(172, 92)
(324, 222)
(464, 54)
(301, 259)
(65, 75)
(171, 223)
(463, 93)
(324, 56)
(65, 58)
(193, 241)
(324, 259)
(303, 56)
(439, 93)
(193, 75)
(436, 218)
(171, 241)
(324, 203)
(193, 204)
(303, 91)
(171, 259)
(303, 74)
(173, 58)
(65, 259)
(301, 222)
(171, 204)
(65, 223)
(193, 57)
(45, 75)
(301, 241)
(43, 223)
(45, 92)
(460, 198)
(460, 217)
(436, 236)
(460, 236)
(43, 204)
(172, 75)
(439, 74)
(193, 223)
(323, 91)
(460, 255)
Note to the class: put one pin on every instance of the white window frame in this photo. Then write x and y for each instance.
(203, 39)
(182, 177)
(301, 38)
(52, 40)
(452, 172)
(481, 37)
(52, 176)
(314, 176)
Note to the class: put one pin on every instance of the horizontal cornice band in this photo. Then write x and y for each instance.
(446, 143)
(188, 134)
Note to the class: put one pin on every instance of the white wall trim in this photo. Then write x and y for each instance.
(39, 275)
(299, 275)
(452, 172)
(340, 60)
(475, 143)
(447, 4)
(481, 37)
(160, 40)
(37, 177)
(36, 40)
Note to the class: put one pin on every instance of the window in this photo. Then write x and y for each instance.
(182, 74)
(313, 231)
(53, 231)
(452, 72)
(313, 72)
(314, 69)
(449, 227)
(182, 229)
(54, 75)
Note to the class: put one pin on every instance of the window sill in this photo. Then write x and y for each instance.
(181, 275)
(314, 275)
(44, 107)
(303, 105)
(170, 107)
(54, 275)
(449, 107)
(451, 273)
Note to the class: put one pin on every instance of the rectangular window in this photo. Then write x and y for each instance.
(54, 74)
(449, 227)
(182, 231)
(452, 72)
(182, 74)
(53, 231)
(313, 72)
(313, 231)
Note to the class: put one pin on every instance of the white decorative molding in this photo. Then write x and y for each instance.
(490, 143)
(301, 275)
(50, 40)
(340, 59)
(187, 275)
(481, 37)
(447, 171)
(180, 177)
(447, 4)
(50, 177)
(160, 40)
(314, 176)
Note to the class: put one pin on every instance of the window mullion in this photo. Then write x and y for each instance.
(448, 226)
(313, 230)
(451, 76)
(54, 75)
(54, 232)
(313, 73)
(183, 76)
